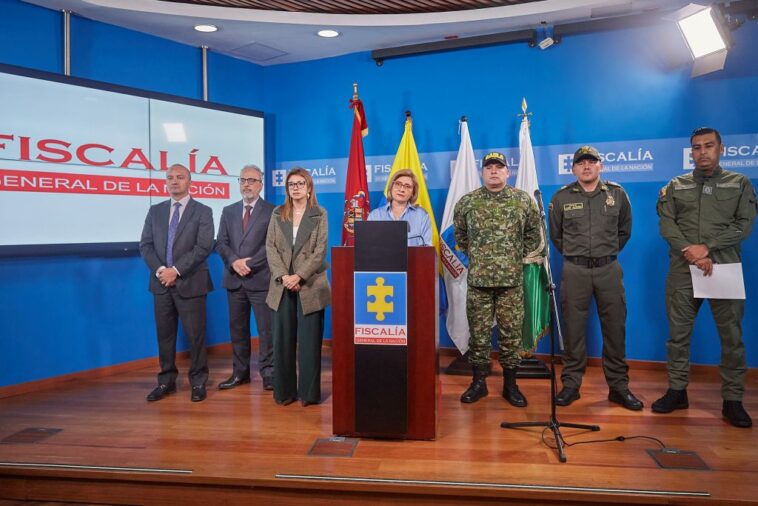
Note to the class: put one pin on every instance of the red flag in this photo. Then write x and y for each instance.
(356, 187)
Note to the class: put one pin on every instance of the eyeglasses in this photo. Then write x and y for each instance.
(249, 180)
(296, 184)
(402, 186)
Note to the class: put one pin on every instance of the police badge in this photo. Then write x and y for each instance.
(610, 201)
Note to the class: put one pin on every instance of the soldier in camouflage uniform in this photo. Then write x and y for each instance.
(496, 226)
(590, 223)
(704, 216)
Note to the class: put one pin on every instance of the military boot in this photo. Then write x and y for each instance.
(478, 387)
(736, 414)
(511, 393)
(671, 400)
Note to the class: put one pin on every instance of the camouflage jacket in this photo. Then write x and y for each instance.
(718, 211)
(496, 231)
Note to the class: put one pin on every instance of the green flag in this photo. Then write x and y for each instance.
(536, 297)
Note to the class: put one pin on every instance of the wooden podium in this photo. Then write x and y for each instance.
(394, 391)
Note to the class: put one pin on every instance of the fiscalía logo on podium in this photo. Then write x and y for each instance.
(380, 308)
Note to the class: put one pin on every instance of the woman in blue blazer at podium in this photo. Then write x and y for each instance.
(401, 200)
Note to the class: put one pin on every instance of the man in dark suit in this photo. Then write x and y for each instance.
(176, 241)
(242, 245)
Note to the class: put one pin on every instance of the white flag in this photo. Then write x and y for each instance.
(465, 179)
(526, 179)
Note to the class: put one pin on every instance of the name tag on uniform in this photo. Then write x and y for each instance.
(728, 185)
(573, 206)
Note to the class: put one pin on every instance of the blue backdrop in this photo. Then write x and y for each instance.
(65, 314)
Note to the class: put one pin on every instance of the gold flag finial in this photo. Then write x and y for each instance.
(524, 114)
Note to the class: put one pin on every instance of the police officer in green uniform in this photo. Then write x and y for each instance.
(496, 226)
(590, 223)
(704, 216)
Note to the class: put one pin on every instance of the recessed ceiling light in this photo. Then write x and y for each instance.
(206, 28)
(328, 33)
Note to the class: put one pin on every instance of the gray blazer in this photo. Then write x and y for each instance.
(234, 243)
(192, 245)
(305, 256)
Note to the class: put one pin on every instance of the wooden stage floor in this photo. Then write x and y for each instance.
(238, 445)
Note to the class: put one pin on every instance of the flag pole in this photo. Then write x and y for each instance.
(530, 367)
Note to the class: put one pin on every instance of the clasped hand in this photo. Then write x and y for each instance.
(697, 254)
(291, 282)
(240, 266)
(167, 277)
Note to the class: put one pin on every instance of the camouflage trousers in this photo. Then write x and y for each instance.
(682, 308)
(504, 304)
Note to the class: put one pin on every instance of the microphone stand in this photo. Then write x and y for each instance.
(555, 331)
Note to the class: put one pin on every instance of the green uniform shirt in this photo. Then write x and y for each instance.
(496, 230)
(596, 224)
(718, 211)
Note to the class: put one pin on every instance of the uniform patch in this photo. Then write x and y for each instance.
(662, 192)
(707, 190)
(681, 186)
(573, 206)
(610, 201)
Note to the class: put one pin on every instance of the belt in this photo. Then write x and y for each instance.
(590, 262)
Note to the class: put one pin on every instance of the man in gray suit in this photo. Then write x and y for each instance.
(242, 245)
(176, 241)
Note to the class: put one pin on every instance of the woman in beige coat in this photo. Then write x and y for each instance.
(299, 291)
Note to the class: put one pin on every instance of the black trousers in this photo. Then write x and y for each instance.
(297, 341)
(240, 303)
(170, 307)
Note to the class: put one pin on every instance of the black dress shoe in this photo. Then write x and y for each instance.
(198, 393)
(160, 392)
(268, 383)
(626, 399)
(671, 400)
(232, 382)
(566, 396)
(307, 403)
(736, 414)
(286, 402)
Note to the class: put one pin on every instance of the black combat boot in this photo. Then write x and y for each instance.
(478, 387)
(511, 393)
(736, 414)
(671, 400)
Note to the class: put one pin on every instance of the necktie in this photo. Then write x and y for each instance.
(172, 226)
(246, 217)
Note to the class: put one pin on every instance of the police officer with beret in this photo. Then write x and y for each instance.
(704, 216)
(590, 223)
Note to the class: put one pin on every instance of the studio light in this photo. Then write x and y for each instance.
(707, 36)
